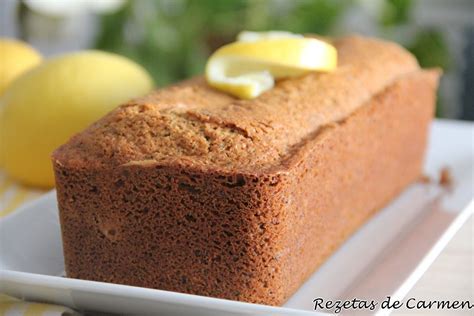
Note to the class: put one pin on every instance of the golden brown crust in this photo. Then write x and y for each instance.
(192, 124)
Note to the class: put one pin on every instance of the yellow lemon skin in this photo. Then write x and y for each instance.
(47, 105)
(15, 58)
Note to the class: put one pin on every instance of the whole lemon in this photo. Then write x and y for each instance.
(50, 103)
(15, 58)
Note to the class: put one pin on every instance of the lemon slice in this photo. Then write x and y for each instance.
(249, 67)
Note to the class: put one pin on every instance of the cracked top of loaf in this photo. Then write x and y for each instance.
(191, 123)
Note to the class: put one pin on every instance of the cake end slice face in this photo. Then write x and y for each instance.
(175, 228)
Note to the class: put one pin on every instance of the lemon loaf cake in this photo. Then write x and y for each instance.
(191, 190)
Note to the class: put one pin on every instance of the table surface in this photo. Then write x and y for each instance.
(451, 276)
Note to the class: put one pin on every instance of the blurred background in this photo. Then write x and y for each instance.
(172, 38)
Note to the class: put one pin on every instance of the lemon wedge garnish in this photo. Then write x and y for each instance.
(249, 67)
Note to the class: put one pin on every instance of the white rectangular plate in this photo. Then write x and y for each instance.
(385, 257)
